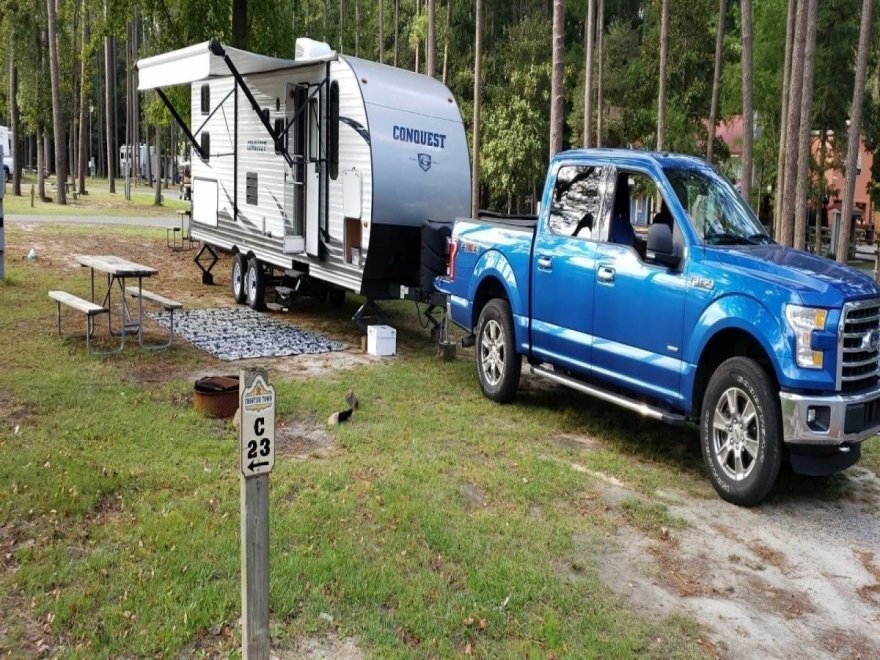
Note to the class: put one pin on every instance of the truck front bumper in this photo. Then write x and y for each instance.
(830, 421)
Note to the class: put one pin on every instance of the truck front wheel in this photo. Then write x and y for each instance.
(740, 432)
(498, 363)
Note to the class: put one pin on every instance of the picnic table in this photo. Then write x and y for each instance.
(117, 271)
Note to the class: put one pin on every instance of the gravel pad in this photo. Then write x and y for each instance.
(237, 333)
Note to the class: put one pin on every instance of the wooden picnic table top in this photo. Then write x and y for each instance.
(114, 265)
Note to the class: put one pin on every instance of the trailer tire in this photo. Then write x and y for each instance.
(255, 284)
(498, 363)
(741, 432)
(239, 274)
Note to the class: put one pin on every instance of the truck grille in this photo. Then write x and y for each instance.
(861, 345)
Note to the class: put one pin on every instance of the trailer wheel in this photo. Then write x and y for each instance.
(498, 363)
(239, 269)
(255, 284)
(741, 433)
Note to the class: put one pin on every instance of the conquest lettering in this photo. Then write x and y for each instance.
(418, 136)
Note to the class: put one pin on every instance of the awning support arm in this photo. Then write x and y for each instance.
(218, 50)
(180, 122)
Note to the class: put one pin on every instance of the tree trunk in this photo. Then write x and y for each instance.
(41, 166)
(396, 28)
(110, 105)
(239, 23)
(357, 28)
(820, 201)
(83, 151)
(589, 31)
(446, 42)
(418, 43)
(600, 72)
(14, 125)
(855, 132)
(556, 92)
(57, 113)
(431, 59)
(802, 187)
(793, 124)
(748, 111)
(341, 23)
(783, 122)
(380, 24)
(661, 95)
(475, 160)
(157, 197)
(716, 80)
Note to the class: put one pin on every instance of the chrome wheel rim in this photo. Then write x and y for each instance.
(252, 283)
(237, 279)
(492, 352)
(735, 434)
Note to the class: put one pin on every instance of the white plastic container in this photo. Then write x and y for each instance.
(381, 340)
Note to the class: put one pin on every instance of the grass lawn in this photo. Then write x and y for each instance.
(434, 523)
(98, 201)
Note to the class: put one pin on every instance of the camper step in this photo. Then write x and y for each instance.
(292, 272)
(283, 291)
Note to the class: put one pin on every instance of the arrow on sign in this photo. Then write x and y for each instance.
(252, 465)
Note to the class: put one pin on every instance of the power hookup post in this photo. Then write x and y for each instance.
(257, 458)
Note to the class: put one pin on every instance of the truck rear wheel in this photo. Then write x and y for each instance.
(239, 268)
(740, 432)
(255, 284)
(498, 363)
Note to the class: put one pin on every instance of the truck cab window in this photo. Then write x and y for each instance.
(577, 200)
(637, 205)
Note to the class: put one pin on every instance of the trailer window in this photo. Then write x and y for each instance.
(333, 130)
(205, 147)
(251, 189)
(206, 99)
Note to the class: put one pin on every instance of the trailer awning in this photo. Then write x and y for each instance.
(198, 62)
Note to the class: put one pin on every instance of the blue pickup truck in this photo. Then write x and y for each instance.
(645, 280)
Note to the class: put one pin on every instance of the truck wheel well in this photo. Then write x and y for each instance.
(489, 288)
(723, 346)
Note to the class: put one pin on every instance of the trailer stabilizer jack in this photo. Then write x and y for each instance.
(208, 256)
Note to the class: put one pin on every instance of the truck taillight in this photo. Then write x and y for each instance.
(453, 250)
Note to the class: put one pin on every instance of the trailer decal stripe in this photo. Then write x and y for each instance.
(359, 128)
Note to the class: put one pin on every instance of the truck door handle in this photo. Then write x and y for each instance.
(545, 263)
(606, 274)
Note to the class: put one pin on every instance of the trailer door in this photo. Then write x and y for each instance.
(313, 175)
(295, 175)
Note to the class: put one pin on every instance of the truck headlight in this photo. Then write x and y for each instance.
(803, 321)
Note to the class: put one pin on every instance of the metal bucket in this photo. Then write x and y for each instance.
(216, 396)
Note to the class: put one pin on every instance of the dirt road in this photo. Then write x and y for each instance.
(796, 577)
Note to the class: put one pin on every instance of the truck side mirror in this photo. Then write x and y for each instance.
(661, 248)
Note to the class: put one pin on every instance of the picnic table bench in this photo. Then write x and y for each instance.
(90, 309)
(167, 304)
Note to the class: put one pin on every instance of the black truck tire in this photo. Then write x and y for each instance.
(239, 271)
(741, 432)
(498, 363)
(255, 284)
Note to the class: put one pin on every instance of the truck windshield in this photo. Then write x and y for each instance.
(717, 211)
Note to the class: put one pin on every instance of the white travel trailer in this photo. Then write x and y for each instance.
(319, 172)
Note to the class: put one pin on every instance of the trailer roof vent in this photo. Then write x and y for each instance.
(309, 49)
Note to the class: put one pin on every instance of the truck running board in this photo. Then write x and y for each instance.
(618, 399)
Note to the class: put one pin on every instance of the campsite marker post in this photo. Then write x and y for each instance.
(257, 458)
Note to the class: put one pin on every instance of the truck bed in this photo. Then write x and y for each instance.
(522, 222)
